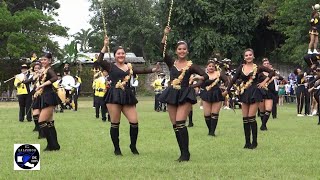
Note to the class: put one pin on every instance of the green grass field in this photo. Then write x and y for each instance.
(290, 149)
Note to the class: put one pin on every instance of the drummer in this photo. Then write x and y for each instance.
(61, 93)
(68, 83)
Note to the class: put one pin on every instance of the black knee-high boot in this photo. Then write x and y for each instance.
(265, 121)
(190, 119)
(53, 137)
(254, 128)
(184, 137)
(208, 122)
(261, 115)
(247, 132)
(36, 122)
(41, 131)
(214, 122)
(114, 133)
(43, 127)
(134, 130)
(176, 132)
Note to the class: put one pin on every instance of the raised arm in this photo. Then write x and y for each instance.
(104, 64)
(167, 59)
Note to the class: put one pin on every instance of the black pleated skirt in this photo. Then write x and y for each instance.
(36, 103)
(267, 94)
(178, 96)
(46, 99)
(121, 97)
(213, 95)
(251, 95)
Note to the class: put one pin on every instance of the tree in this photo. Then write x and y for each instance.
(213, 26)
(291, 19)
(27, 31)
(130, 23)
(82, 38)
(43, 5)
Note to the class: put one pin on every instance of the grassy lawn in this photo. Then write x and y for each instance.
(290, 149)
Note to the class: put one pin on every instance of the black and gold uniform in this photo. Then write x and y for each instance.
(122, 93)
(314, 23)
(180, 91)
(250, 93)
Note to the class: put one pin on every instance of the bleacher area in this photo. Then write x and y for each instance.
(9, 96)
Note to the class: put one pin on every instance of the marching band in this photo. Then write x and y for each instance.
(41, 91)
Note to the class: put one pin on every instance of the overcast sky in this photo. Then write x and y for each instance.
(74, 15)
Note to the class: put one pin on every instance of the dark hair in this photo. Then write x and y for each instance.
(181, 42)
(47, 55)
(264, 60)
(296, 71)
(36, 64)
(248, 49)
(211, 61)
(116, 49)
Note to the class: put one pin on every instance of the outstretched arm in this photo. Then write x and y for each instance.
(104, 64)
(147, 70)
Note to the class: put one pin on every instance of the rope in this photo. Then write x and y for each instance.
(168, 24)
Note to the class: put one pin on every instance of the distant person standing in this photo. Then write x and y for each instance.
(157, 85)
(24, 93)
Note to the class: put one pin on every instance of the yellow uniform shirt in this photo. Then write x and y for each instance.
(157, 85)
(100, 87)
(21, 88)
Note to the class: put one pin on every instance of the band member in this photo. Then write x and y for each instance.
(250, 94)
(134, 83)
(100, 91)
(300, 91)
(47, 99)
(180, 95)
(315, 83)
(120, 97)
(314, 22)
(158, 85)
(34, 57)
(265, 107)
(35, 108)
(211, 95)
(76, 92)
(61, 92)
(68, 83)
(24, 93)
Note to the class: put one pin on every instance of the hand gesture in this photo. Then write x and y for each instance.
(106, 41)
(262, 85)
(39, 87)
(157, 68)
(167, 30)
(224, 94)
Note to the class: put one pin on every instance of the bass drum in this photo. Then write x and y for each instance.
(62, 94)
